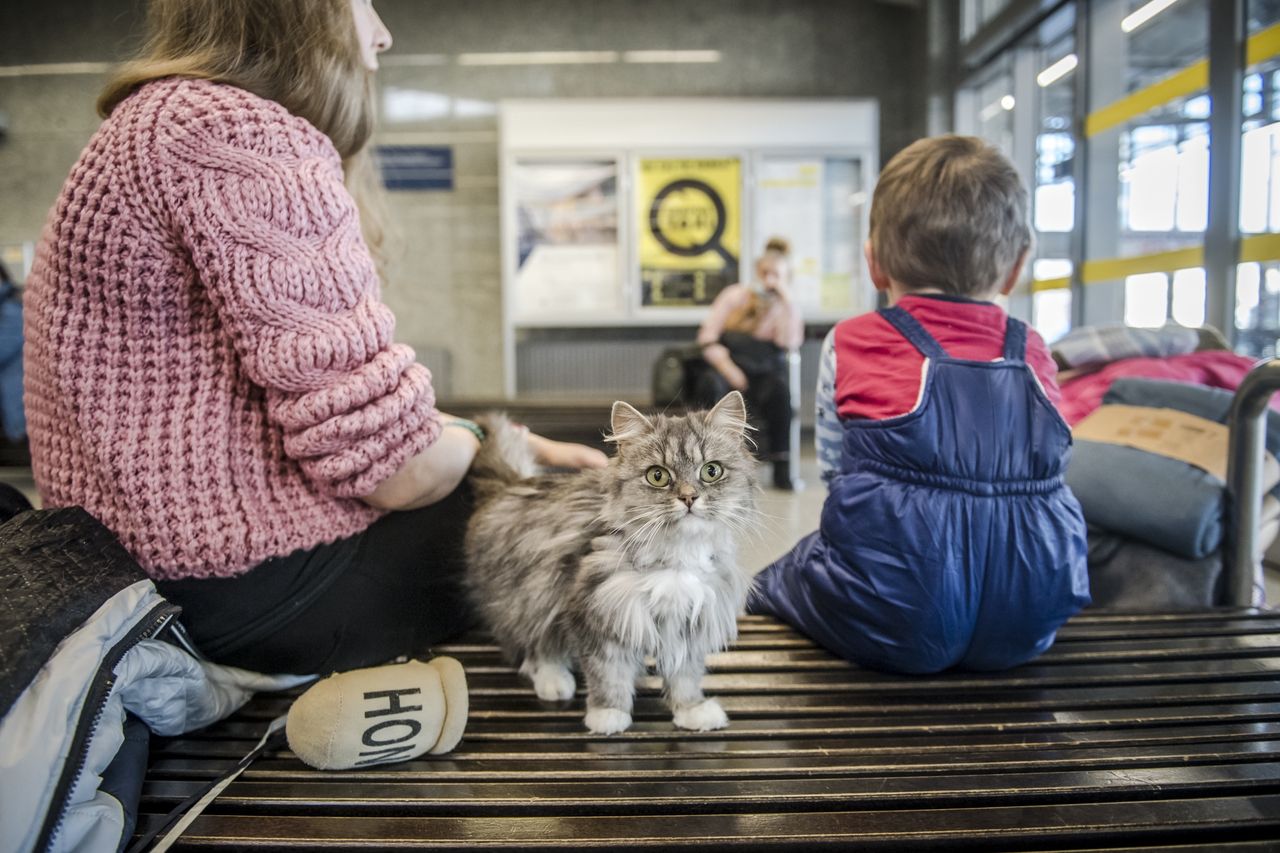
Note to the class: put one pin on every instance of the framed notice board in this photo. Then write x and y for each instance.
(638, 212)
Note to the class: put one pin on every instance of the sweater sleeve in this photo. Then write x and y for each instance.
(274, 238)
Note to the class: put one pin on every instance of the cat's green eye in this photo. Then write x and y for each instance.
(658, 477)
(711, 472)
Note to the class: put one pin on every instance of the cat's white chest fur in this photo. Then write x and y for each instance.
(676, 594)
(649, 609)
(698, 554)
(677, 590)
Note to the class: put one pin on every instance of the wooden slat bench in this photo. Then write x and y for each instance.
(1151, 732)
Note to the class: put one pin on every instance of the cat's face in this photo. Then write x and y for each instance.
(691, 471)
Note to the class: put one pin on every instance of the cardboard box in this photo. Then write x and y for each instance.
(1168, 432)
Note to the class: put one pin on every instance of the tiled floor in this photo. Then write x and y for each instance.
(784, 518)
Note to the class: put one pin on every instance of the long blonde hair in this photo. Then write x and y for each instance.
(302, 54)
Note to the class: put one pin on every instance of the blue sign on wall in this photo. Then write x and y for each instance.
(416, 167)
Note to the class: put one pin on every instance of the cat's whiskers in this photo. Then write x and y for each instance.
(665, 519)
(754, 524)
(642, 535)
(645, 514)
(641, 515)
(742, 523)
(737, 526)
(653, 517)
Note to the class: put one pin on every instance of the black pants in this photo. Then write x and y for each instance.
(394, 589)
(768, 400)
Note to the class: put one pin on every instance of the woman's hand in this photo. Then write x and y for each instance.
(564, 454)
(779, 291)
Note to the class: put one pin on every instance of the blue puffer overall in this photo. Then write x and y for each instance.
(949, 538)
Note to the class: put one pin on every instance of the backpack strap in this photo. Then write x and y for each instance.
(181, 816)
(1015, 340)
(909, 327)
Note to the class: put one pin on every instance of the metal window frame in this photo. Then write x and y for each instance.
(1080, 168)
(1228, 36)
(1004, 30)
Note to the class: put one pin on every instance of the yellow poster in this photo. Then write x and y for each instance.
(690, 219)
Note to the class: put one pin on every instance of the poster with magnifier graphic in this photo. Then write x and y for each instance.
(689, 217)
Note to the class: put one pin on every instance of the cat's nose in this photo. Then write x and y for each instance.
(688, 498)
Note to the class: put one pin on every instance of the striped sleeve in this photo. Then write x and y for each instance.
(827, 433)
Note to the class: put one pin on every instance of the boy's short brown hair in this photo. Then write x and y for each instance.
(949, 212)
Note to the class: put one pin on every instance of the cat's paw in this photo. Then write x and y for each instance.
(553, 683)
(607, 721)
(703, 717)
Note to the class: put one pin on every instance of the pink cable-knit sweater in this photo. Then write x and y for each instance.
(209, 368)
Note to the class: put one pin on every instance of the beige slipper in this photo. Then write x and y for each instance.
(380, 715)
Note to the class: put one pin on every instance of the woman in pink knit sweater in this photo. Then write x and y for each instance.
(210, 369)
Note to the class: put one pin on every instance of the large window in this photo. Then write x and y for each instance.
(990, 104)
(1257, 315)
(1053, 201)
(1132, 228)
(1024, 104)
(1147, 137)
(979, 12)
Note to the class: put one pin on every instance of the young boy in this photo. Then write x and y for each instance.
(948, 537)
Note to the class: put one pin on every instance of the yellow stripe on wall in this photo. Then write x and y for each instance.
(1262, 45)
(1044, 284)
(1111, 269)
(1254, 248)
(1259, 247)
(1259, 48)
(1193, 78)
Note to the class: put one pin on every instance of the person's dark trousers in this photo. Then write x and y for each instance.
(768, 402)
(395, 589)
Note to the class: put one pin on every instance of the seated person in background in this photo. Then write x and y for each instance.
(746, 337)
(948, 537)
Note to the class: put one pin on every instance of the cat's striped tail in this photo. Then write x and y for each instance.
(504, 456)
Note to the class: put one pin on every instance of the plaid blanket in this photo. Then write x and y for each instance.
(1091, 345)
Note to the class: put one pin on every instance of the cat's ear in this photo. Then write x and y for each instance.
(730, 413)
(627, 423)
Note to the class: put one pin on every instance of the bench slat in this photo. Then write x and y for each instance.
(1132, 731)
(422, 798)
(1198, 819)
(846, 765)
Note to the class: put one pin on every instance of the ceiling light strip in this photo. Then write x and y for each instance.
(541, 57)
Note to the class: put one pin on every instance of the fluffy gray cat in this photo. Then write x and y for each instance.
(603, 568)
